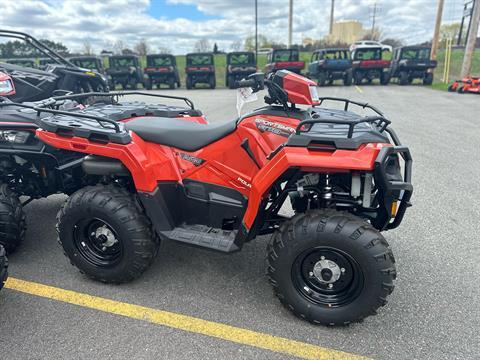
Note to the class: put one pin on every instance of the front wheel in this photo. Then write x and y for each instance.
(105, 234)
(330, 267)
(428, 78)
(384, 78)
(347, 78)
(3, 266)
(321, 79)
(212, 82)
(171, 83)
(12, 220)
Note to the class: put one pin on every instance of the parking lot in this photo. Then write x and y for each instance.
(433, 313)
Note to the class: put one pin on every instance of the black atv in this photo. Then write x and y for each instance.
(124, 70)
(369, 63)
(89, 62)
(34, 84)
(413, 62)
(239, 66)
(328, 65)
(30, 168)
(161, 69)
(200, 69)
(3, 267)
(22, 62)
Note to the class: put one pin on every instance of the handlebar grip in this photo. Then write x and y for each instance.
(245, 83)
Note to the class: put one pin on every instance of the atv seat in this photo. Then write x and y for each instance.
(181, 134)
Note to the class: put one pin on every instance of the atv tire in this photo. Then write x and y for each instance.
(403, 78)
(148, 84)
(330, 267)
(212, 82)
(358, 78)
(171, 83)
(3, 267)
(230, 82)
(321, 78)
(106, 235)
(12, 220)
(188, 83)
(384, 78)
(428, 79)
(347, 78)
(132, 84)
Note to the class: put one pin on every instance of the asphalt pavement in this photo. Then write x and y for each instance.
(434, 312)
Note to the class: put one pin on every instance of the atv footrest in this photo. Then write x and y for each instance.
(204, 236)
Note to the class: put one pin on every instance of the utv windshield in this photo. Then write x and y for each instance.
(86, 63)
(368, 54)
(336, 55)
(241, 59)
(416, 54)
(159, 61)
(122, 62)
(200, 60)
(285, 55)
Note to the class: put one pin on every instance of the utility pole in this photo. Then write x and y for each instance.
(332, 16)
(256, 31)
(373, 18)
(290, 25)
(436, 33)
(471, 40)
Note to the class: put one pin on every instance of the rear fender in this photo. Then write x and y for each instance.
(362, 159)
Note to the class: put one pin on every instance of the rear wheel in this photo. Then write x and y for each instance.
(460, 89)
(428, 78)
(358, 77)
(330, 268)
(212, 82)
(347, 78)
(188, 83)
(403, 78)
(384, 78)
(3, 267)
(321, 78)
(132, 82)
(171, 83)
(12, 219)
(106, 235)
(148, 84)
(230, 82)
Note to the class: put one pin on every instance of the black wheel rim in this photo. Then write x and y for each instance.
(94, 246)
(338, 293)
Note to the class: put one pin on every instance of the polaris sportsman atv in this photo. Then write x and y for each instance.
(34, 84)
(33, 169)
(89, 62)
(328, 65)
(124, 70)
(284, 59)
(219, 186)
(368, 64)
(412, 62)
(3, 267)
(200, 69)
(161, 69)
(240, 64)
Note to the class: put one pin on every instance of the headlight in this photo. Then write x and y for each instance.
(14, 136)
(6, 87)
(314, 94)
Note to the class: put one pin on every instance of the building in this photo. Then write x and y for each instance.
(346, 31)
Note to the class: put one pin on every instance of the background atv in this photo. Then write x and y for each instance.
(328, 65)
(22, 62)
(3, 267)
(470, 84)
(200, 69)
(239, 66)
(161, 69)
(412, 62)
(31, 168)
(90, 63)
(368, 64)
(220, 185)
(124, 70)
(34, 84)
(284, 59)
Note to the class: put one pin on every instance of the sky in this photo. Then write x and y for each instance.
(177, 25)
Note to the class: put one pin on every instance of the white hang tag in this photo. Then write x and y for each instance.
(244, 95)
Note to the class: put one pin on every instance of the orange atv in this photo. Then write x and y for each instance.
(470, 84)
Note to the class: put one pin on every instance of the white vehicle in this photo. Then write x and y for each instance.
(369, 43)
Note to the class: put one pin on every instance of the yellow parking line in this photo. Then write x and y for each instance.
(181, 322)
(358, 89)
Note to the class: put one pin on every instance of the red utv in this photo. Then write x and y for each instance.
(368, 64)
(470, 84)
(221, 185)
(200, 69)
(161, 69)
(284, 59)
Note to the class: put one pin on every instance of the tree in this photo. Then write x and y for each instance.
(164, 50)
(18, 49)
(87, 48)
(449, 31)
(118, 46)
(250, 42)
(215, 48)
(202, 45)
(375, 35)
(394, 43)
(236, 45)
(141, 48)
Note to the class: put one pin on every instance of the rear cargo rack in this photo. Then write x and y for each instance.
(347, 103)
